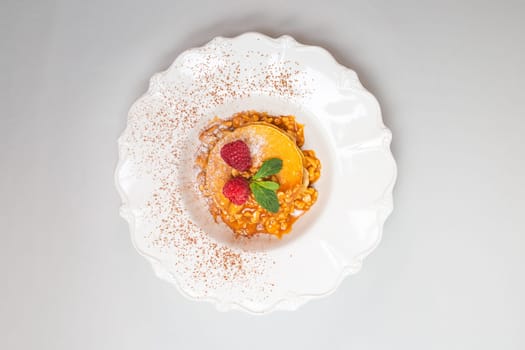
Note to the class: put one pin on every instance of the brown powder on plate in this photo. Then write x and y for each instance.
(158, 144)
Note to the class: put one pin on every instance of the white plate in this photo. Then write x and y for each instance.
(169, 222)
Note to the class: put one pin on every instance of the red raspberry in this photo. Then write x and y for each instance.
(237, 190)
(237, 155)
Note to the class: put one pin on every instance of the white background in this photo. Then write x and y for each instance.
(450, 272)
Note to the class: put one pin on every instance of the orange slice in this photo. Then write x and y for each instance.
(265, 141)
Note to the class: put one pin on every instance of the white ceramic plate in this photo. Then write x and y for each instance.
(169, 222)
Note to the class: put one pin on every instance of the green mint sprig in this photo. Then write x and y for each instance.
(265, 191)
(270, 167)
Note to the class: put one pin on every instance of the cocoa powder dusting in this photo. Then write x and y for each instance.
(159, 144)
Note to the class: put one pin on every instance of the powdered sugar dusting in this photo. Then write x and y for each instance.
(255, 142)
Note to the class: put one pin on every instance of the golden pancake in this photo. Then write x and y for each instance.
(267, 137)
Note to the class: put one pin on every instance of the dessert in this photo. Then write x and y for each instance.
(254, 174)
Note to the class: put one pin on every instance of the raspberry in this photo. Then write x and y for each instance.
(237, 155)
(237, 190)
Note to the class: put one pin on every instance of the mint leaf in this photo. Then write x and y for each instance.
(274, 186)
(269, 167)
(265, 197)
(264, 191)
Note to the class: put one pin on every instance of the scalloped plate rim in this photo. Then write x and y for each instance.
(383, 211)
